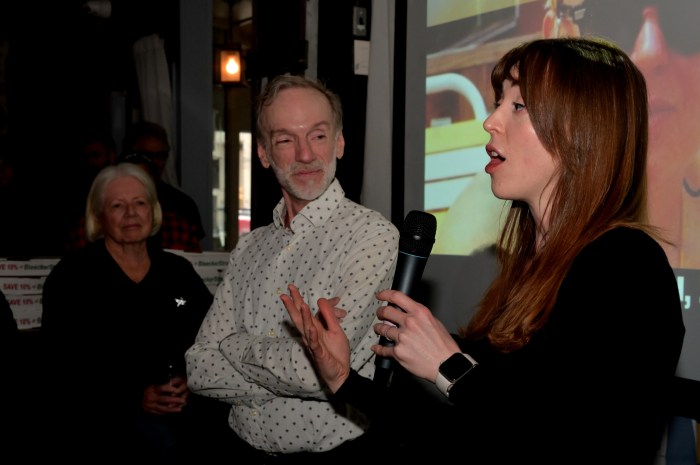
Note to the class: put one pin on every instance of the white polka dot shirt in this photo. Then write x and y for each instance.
(247, 352)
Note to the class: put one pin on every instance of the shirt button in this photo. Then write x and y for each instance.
(271, 333)
(279, 291)
(254, 413)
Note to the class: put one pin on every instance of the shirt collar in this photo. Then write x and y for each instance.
(316, 213)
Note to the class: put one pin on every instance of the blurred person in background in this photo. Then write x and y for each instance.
(146, 144)
(97, 150)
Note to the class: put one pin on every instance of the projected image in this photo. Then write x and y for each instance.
(465, 40)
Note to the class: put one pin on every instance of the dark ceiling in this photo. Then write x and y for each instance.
(62, 35)
(62, 65)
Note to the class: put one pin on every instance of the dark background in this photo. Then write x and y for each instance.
(63, 68)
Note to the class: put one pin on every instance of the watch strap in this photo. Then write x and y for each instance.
(444, 384)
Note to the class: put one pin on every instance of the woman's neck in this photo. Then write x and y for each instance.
(133, 258)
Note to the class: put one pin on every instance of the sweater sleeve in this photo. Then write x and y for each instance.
(360, 392)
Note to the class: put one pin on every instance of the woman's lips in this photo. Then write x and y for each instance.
(659, 110)
(495, 159)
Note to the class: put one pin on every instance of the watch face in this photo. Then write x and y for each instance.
(455, 367)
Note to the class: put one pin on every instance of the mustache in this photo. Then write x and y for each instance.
(313, 166)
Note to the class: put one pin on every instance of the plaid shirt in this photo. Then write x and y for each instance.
(179, 234)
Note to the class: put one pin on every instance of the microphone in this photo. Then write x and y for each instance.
(415, 243)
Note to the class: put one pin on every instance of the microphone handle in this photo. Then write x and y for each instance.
(408, 276)
(384, 366)
(385, 363)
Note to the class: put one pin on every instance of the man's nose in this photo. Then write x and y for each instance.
(304, 153)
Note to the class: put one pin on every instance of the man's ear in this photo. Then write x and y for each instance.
(340, 146)
(262, 155)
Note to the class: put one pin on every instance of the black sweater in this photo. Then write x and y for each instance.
(107, 337)
(590, 387)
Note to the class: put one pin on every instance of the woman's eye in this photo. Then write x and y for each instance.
(518, 106)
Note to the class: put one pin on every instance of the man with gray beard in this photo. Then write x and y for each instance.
(247, 352)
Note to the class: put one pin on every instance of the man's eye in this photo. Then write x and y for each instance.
(283, 140)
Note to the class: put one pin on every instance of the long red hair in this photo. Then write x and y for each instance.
(588, 105)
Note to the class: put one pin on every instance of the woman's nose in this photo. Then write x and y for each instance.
(650, 48)
(491, 122)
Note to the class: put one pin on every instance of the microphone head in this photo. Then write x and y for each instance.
(418, 233)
